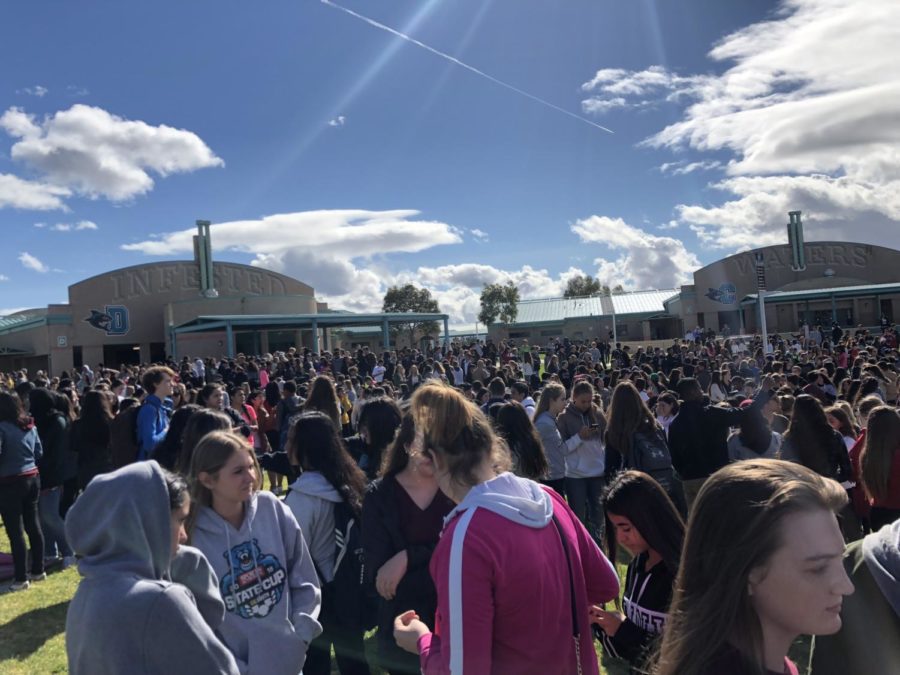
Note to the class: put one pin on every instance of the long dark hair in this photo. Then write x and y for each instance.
(42, 406)
(11, 411)
(273, 394)
(755, 433)
(96, 416)
(810, 434)
(207, 391)
(523, 441)
(397, 456)
(323, 397)
(636, 496)
(314, 443)
(627, 415)
(166, 453)
(201, 423)
(380, 418)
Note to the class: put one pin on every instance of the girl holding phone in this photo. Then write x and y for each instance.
(642, 519)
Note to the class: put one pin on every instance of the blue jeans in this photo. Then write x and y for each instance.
(585, 499)
(52, 524)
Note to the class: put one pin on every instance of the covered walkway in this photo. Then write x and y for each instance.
(311, 322)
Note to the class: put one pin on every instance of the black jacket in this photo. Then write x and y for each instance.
(382, 538)
(53, 464)
(698, 436)
(645, 603)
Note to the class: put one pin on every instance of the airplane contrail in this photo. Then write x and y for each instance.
(456, 61)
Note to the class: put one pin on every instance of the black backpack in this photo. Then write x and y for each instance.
(350, 602)
(650, 454)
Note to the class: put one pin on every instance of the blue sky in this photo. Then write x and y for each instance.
(328, 149)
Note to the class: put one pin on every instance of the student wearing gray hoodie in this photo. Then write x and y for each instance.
(266, 575)
(127, 616)
(329, 478)
(870, 618)
(582, 427)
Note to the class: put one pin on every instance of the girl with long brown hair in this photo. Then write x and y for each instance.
(748, 584)
(880, 465)
(323, 397)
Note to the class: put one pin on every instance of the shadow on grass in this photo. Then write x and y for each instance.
(27, 633)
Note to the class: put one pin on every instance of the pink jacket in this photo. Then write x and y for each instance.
(503, 590)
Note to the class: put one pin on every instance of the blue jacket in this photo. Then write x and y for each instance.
(152, 424)
(19, 449)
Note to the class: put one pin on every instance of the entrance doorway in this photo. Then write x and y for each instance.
(117, 355)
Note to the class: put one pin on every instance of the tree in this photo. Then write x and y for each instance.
(499, 300)
(583, 285)
(408, 298)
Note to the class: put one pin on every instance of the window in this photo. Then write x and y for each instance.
(520, 334)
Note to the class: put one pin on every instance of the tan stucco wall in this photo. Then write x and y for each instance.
(156, 295)
(850, 263)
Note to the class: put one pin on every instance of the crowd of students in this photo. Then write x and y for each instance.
(470, 502)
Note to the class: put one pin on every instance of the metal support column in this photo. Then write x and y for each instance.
(229, 340)
(315, 336)
(833, 309)
(385, 334)
(446, 334)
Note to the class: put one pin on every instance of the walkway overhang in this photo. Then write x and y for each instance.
(259, 322)
(861, 291)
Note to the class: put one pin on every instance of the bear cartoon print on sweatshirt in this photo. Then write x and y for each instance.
(254, 584)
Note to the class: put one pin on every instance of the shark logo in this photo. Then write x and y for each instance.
(726, 294)
(113, 320)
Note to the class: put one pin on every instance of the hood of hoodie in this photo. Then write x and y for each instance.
(122, 523)
(517, 499)
(881, 551)
(572, 411)
(315, 484)
(212, 523)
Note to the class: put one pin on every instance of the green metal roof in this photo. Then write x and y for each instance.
(32, 318)
(299, 321)
(557, 310)
(826, 293)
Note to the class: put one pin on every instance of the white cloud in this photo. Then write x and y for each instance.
(807, 104)
(671, 225)
(3, 277)
(89, 151)
(30, 262)
(480, 235)
(6, 311)
(598, 106)
(36, 90)
(337, 121)
(345, 233)
(69, 227)
(17, 193)
(618, 88)
(683, 168)
(76, 91)
(647, 260)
